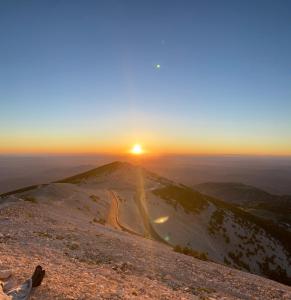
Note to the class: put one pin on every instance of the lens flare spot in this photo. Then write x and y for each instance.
(161, 220)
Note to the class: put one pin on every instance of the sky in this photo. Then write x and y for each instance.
(188, 77)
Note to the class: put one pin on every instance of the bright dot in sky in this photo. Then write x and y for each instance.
(136, 149)
(158, 66)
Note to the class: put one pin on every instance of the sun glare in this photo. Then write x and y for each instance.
(136, 149)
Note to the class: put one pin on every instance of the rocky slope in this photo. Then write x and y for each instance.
(89, 233)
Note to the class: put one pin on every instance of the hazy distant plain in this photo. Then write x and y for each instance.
(270, 173)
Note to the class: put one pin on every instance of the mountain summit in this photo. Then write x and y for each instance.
(124, 218)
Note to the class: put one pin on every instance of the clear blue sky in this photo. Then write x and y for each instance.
(84, 72)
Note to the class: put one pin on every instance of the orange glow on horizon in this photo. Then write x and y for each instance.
(118, 145)
(136, 149)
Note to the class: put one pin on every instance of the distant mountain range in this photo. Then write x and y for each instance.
(215, 222)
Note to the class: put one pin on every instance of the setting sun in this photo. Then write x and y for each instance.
(137, 149)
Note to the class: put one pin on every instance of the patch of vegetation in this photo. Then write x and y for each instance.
(73, 246)
(249, 253)
(226, 261)
(227, 239)
(276, 273)
(86, 207)
(29, 215)
(189, 199)
(256, 224)
(44, 234)
(205, 290)
(94, 198)
(237, 260)
(100, 221)
(30, 199)
(216, 221)
(190, 252)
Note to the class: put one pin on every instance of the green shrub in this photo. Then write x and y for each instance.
(189, 199)
(94, 198)
(190, 252)
(30, 199)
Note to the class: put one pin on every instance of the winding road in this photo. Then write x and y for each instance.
(113, 215)
(113, 218)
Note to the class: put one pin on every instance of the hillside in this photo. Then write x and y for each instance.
(258, 202)
(100, 228)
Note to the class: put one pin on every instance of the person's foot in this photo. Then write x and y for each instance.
(37, 276)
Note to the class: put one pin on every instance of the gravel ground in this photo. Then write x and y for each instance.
(87, 260)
